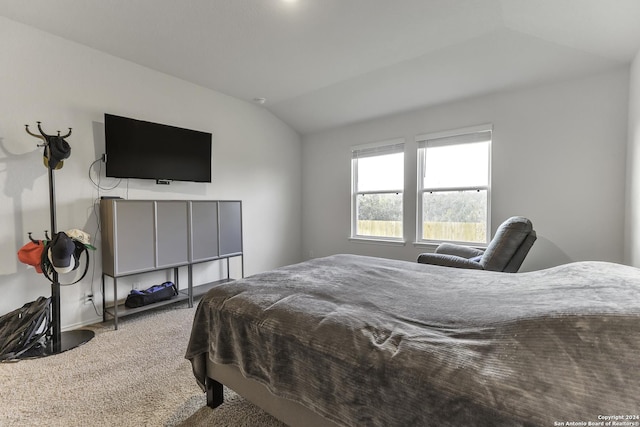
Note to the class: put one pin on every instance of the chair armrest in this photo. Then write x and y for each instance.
(458, 250)
(448, 261)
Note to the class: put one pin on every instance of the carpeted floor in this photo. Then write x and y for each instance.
(135, 376)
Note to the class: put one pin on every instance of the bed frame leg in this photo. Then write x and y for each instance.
(215, 393)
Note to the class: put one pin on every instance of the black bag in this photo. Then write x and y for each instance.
(24, 329)
(156, 293)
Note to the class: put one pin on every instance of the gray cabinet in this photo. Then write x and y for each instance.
(172, 235)
(230, 225)
(204, 230)
(140, 236)
(130, 242)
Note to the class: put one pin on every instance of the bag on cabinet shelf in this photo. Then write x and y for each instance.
(156, 293)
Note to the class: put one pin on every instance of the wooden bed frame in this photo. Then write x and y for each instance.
(291, 413)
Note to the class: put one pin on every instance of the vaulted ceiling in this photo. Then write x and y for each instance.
(326, 63)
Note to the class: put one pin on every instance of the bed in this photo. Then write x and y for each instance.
(351, 340)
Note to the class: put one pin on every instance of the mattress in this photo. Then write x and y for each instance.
(378, 342)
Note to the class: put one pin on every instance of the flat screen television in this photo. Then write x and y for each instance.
(140, 149)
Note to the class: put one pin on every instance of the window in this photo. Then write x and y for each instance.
(377, 188)
(454, 186)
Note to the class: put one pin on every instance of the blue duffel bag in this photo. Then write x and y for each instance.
(156, 293)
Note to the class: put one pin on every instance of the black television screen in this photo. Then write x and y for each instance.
(140, 149)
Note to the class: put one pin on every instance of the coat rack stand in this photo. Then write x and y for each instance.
(56, 340)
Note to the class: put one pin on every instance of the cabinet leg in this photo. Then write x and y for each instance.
(115, 303)
(104, 300)
(190, 284)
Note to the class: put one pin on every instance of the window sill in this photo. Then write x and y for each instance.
(375, 241)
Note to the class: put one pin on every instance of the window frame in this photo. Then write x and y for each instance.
(453, 137)
(390, 146)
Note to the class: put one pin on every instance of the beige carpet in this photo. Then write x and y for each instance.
(135, 376)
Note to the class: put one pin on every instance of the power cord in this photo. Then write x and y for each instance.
(96, 201)
(97, 184)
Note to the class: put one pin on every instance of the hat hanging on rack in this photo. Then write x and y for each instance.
(55, 152)
(61, 252)
(56, 149)
(31, 254)
(82, 237)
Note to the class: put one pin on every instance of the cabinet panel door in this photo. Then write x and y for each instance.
(204, 230)
(134, 236)
(230, 228)
(172, 233)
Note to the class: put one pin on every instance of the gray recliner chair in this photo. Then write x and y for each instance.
(506, 251)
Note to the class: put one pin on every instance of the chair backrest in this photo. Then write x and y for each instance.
(510, 245)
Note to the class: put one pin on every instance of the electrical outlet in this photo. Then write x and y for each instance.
(88, 298)
(135, 285)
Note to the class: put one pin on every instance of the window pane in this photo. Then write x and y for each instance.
(379, 215)
(455, 216)
(380, 173)
(461, 165)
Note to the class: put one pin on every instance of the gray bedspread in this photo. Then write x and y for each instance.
(375, 342)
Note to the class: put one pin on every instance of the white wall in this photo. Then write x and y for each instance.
(558, 158)
(256, 157)
(632, 234)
